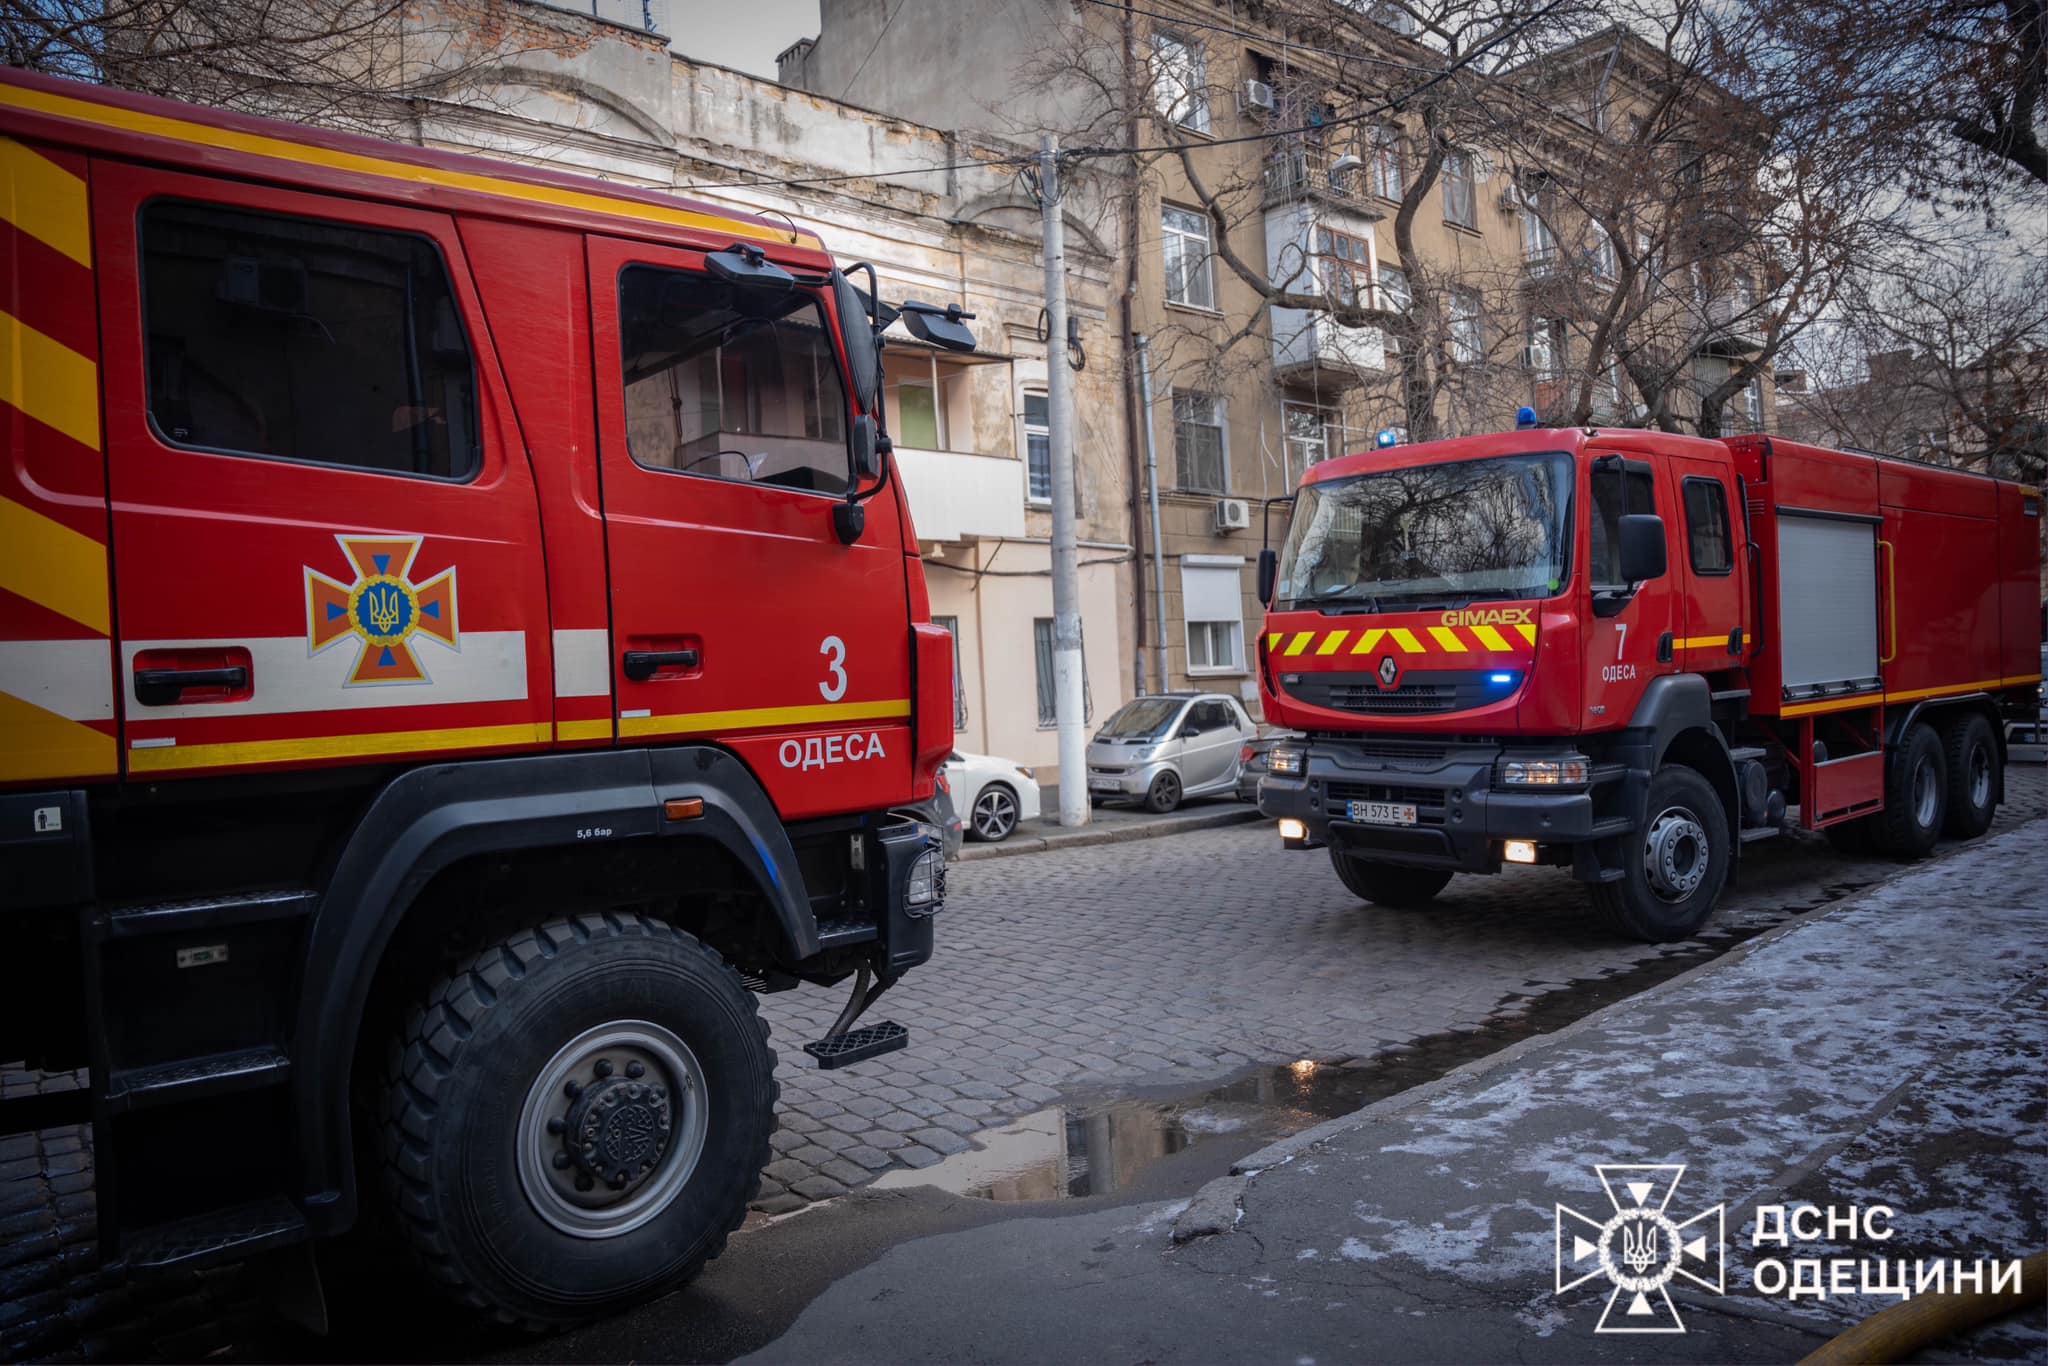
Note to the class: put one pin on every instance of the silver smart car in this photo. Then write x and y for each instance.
(1158, 750)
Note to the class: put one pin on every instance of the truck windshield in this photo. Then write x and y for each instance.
(731, 383)
(1428, 536)
(1143, 719)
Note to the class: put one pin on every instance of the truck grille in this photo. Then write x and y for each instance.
(1420, 694)
(1427, 801)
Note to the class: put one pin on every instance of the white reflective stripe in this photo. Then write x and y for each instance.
(490, 667)
(73, 678)
(583, 666)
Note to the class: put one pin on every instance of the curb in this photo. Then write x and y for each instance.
(1217, 1207)
(1236, 814)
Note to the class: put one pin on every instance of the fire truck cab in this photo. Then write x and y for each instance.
(460, 641)
(1629, 654)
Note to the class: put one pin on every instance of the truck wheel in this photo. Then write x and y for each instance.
(1970, 752)
(1669, 886)
(1164, 794)
(576, 1118)
(1388, 884)
(1915, 797)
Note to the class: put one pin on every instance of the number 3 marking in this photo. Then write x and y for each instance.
(1621, 637)
(836, 666)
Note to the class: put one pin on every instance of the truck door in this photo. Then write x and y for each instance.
(325, 535)
(1631, 639)
(736, 612)
(1706, 562)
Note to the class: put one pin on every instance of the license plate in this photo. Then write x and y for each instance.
(1102, 785)
(1380, 813)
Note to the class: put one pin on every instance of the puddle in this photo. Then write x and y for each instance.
(1098, 1147)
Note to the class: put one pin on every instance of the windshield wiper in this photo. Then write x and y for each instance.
(1342, 600)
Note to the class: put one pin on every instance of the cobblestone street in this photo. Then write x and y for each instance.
(1178, 961)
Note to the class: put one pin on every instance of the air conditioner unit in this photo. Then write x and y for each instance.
(1511, 197)
(1255, 98)
(1233, 514)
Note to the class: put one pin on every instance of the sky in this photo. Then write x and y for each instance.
(746, 35)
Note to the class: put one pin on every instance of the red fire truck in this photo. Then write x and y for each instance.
(459, 642)
(1629, 654)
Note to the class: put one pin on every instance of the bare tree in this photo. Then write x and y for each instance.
(357, 64)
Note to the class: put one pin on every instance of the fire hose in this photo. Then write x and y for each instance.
(1896, 1333)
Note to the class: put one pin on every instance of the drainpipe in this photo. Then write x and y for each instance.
(1131, 415)
(1152, 494)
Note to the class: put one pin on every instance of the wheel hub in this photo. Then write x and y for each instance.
(618, 1129)
(1675, 854)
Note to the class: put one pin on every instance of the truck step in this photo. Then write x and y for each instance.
(208, 912)
(1761, 832)
(1747, 752)
(217, 1235)
(858, 1045)
(834, 934)
(1612, 825)
(166, 1083)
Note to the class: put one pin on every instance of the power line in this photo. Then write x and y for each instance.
(1178, 22)
(888, 18)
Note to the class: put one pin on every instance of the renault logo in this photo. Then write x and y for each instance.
(1389, 670)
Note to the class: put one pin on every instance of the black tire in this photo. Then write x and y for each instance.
(1915, 797)
(464, 1088)
(1164, 794)
(1388, 884)
(1970, 751)
(1002, 815)
(1674, 900)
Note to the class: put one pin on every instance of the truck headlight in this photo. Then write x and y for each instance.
(925, 888)
(1290, 761)
(1567, 771)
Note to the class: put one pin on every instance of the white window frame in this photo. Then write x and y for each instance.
(1468, 315)
(1044, 674)
(1386, 154)
(1199, 564)
(1540, 352)
(1218, 419)
(1180, 80)
(1178, 243)
(1600, 256)
(1458, 171)
(1312, 452)
(1031, 429)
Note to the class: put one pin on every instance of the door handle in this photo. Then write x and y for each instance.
(161, 687)
(640, 665)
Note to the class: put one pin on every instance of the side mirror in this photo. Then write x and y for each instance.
(1269, 575)
(740, 264)
(1190, 732)
(869, 446)
(1642, 547)
(941, 327)
(863, 356)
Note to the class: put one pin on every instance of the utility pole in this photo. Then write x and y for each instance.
(1067, 669)
(1152, 494)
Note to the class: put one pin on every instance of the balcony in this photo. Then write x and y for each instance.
(1734, 326)
(1303, 240)
(1300, 171)
(960, 497)
(1309, 348)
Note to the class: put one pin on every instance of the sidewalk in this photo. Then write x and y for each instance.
(1111, 825)
(1889, 1052)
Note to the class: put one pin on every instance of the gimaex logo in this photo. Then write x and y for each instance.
(1641, 1249)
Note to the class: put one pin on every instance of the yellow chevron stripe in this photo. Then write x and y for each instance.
(44, 200)
(705, 722)
(1405, 638)
(1300, 642)
(257, 144)
(1490, 638)
(1367, 639)
(53, 566)
(306, 748)
(1528, 632)
(1272, 642)
(38, 745)
(1331, 642)
(1450, 640)
(49, 381)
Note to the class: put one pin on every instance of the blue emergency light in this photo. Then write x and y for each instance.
(1525, 418)
(1500, 680)
(1387, 437)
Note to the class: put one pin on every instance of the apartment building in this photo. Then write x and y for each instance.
(1266, 276)
(611, 98)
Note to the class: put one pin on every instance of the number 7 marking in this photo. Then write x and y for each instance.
(1621, 638)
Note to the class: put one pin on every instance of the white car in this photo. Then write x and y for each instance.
(991, 794)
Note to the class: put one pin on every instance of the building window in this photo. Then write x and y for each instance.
(1048, 692)
(1460, 203)
(1212, 605)
(1308, 427)
(1180, 81)
(1706, 526)
(1198, 458)
(1189, 277)
(714, 391)
(1743, 295)
(1346, 266)
(1600, 256)
(1038, 447)
(1395, 297)
(1610, 388)
(1545, 349)
(952, 624)
(1468, 343)
(927, 402)
(1753, 403)
(1539, 245)
(305, 340)
(1386, 176)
